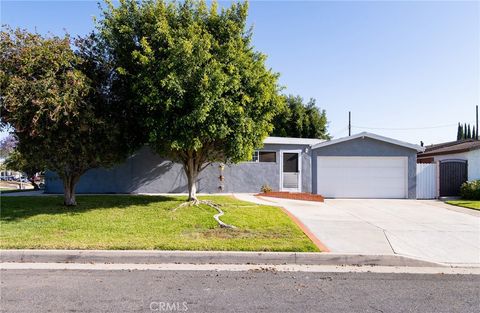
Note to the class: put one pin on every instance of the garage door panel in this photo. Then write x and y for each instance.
(358, 191)
(378, 183)
(355, 162)
(355, 172)
(362, 177)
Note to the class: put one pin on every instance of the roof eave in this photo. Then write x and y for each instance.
(292, 141)
(372, 136)
(433, 153)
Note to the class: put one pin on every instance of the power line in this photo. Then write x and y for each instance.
(409, 128)
(334, 134)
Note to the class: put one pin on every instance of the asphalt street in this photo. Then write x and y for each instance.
(225, 291)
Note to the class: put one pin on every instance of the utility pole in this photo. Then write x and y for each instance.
(476, 128)
(350, 122)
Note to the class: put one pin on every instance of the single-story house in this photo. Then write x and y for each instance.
(364, 165)
(467, 150)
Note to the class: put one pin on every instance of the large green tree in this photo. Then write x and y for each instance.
(58, 106)
(301, 120)
(206, 93)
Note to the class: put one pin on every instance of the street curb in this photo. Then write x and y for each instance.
(208, 257)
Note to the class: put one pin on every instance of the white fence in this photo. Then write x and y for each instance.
(427, 181)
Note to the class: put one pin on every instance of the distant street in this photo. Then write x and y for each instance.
(252, 291)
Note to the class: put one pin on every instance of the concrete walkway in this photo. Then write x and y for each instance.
(421, 229)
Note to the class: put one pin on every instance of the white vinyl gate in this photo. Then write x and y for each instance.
(427, 181)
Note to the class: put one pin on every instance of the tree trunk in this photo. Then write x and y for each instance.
(34, 184)
(193, 163)
(192, 175)
(31, 179)
(69, 184)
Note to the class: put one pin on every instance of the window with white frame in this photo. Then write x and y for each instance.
(264, 156)
(255, 156)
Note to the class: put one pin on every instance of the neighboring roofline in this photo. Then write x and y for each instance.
(292, 141)
(373, 136)
(453, 151)
(443, 145)
(450, 147)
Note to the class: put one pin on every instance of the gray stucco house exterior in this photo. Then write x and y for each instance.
(360, 166)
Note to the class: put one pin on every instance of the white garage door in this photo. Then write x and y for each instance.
(362, 177)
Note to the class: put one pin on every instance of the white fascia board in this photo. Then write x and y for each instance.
(292, 141)
(373, 136)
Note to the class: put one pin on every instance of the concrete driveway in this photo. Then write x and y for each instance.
(418, 228)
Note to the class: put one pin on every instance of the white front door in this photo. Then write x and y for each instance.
(362, 177)
(290, 170)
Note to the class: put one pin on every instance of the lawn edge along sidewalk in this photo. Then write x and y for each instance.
(208, 257)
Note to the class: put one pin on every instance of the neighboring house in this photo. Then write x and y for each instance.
(361, 166)
(467, 150)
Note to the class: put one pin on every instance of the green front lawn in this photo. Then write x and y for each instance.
(145, 222)
(470, 204)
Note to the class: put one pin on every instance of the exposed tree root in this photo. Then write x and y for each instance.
(212, 204)
(216, 216)
(188, 203)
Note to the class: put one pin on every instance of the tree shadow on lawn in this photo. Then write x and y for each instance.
(16, 208)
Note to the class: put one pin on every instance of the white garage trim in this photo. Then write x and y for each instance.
(370, 135)
(362, 177)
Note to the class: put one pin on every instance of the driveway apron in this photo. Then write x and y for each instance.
(424, 229)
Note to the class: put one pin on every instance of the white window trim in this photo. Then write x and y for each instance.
(258, 156)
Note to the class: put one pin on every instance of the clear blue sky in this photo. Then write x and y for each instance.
(393, 64)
